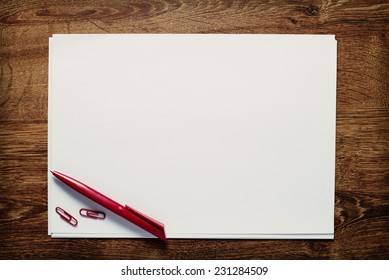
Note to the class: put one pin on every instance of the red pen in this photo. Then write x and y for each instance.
(148, 224)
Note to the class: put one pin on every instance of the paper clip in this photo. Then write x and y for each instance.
(66, 216)
(94, 214)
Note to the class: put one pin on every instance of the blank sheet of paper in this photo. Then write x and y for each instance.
(216, 136)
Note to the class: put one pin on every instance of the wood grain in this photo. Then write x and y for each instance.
(362, 153)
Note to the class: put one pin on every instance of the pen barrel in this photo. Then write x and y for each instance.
(141, 220)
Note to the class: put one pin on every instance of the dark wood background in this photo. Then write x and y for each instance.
(362, 154)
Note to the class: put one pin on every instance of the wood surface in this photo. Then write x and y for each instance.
(362, 154)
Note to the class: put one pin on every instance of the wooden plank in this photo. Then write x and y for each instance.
(362, 162)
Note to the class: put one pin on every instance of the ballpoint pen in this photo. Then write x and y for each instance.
(148, 224)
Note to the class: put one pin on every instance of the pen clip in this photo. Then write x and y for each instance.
(146, 218)
(66, 216)
(94, 214)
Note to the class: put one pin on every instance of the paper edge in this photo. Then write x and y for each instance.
(203, 236)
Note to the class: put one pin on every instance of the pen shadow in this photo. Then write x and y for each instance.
(119, 222)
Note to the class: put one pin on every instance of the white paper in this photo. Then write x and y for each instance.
(216, 136)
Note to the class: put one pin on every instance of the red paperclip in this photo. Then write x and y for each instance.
(66, 216)
(94, 214)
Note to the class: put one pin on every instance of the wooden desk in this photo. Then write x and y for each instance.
(362, 162)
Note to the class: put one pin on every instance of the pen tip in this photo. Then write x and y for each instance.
(51, 171)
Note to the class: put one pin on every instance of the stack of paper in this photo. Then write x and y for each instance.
(216, 136)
